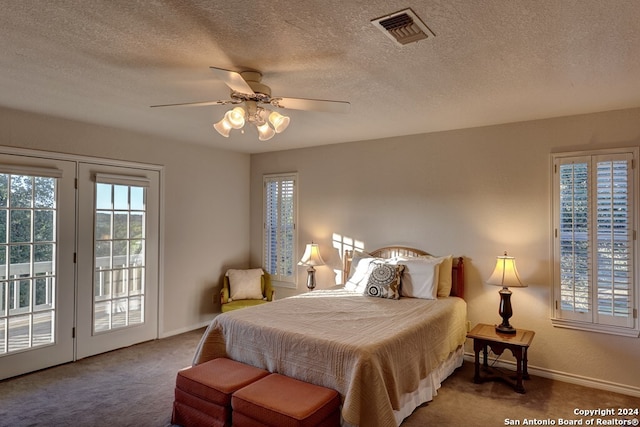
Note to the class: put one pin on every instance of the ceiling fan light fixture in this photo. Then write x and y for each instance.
(265, 132)
(278, 121)
(246, 88)
(235, 117)
(267, 122)
(223, 127)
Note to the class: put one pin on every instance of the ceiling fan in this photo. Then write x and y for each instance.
(246, 88)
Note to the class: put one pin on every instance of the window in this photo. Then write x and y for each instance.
(120, 236)
(28, 208)
(595, 211)
(280, 236)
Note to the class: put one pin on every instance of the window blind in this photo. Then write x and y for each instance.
(594, 248)
(280, 227)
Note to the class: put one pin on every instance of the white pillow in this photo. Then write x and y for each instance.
(245, 284)
(420, 277)
(359, 271)
(359, 274)
(356, 257)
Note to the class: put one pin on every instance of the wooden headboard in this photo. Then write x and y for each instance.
(457, 272)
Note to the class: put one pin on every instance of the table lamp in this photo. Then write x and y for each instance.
(310, 259)
(505, 275)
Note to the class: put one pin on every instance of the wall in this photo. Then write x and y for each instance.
(472, 193)
(206, 205)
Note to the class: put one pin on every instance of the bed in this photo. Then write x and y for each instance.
(384, 356)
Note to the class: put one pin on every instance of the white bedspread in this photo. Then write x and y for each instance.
(371, 350)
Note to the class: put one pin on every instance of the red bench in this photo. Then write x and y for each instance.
(203, 392)
(280, 401)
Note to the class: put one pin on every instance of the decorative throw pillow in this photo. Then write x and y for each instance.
(384, 281)
(245, 284)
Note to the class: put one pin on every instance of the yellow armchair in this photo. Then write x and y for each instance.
(227, 304)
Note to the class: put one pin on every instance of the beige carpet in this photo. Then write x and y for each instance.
(134, 387)
(461, 402)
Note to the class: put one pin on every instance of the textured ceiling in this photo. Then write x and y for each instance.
(492, 61)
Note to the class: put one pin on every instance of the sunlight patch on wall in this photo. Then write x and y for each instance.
(341, 244)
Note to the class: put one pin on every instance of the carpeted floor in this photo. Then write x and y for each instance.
(128, 387)
(134, 387)
(461, 402)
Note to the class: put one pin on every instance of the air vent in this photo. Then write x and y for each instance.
(403, 27)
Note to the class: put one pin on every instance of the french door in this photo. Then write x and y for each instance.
(117, 257)
(37, 240)
(78, 259)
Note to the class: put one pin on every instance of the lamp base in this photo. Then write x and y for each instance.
(311, 278)
(505, 312)
(505, 329)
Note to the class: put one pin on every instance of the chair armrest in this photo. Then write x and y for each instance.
(269, 292)
(224, 295)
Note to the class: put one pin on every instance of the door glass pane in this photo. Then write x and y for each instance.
(120, 225)
(21, 195)
(121, 197)
(20, 225)
(103, 224)
(27, 269)
(119, 291)
(104, 198)
(42, 232)
(3, 225)
(101, 316)
(44, 192)
(4, 190)
(137, 199)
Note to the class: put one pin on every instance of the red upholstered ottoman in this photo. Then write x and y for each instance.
(280, 401)
(203, 392)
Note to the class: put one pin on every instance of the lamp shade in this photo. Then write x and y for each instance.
(505, 273)
(235, 117)
(223, 127)
(311, 256)
(265, 132)
(278, 121)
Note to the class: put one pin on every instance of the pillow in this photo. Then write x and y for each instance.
(359, 271)
(384, 281)
(444, 278)
(356, 257)
(245, 284)
(420, 277)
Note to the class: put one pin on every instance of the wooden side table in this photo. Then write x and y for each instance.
(485, 336)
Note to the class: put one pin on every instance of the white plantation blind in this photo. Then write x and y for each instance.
(614, 238)
(594, 239)
(575, 261)
(279, 239)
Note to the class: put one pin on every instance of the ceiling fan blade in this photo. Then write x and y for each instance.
(195, 104)
(233, 80)
(314, 105)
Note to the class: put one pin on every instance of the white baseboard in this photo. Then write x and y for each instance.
(168, 334)
(567, 378)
